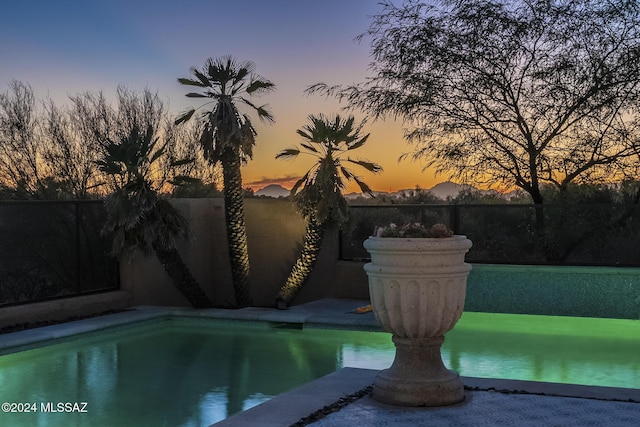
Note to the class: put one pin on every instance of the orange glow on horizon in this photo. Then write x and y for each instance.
(385, 146)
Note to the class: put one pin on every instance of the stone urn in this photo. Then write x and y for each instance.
(417, 288)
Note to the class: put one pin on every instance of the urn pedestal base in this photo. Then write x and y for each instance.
(417, 376)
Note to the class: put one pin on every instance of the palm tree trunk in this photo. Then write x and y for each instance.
(182, 278)
(304, 264)
(236, 228)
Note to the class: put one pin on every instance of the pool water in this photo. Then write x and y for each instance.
(195, 372)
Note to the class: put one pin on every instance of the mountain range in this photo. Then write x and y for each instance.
(441, 190)
(273, 190)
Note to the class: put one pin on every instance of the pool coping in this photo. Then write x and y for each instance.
(289, 407)
(335, 313)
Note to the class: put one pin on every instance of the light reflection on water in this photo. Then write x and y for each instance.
(196, 372)
(546, 348)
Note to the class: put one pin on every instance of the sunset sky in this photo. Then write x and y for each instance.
(64, 47)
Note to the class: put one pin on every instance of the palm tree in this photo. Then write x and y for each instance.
(137, 218)
(228, 137)
(320, 200)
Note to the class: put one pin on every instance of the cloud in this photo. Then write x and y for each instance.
(286, 181)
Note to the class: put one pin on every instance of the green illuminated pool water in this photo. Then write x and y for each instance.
(194, 372)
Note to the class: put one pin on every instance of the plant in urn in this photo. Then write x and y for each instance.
(417, 284)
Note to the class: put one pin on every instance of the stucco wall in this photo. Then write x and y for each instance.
(274, 234)
(204, 254)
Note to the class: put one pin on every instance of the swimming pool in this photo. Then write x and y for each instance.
(194, 372)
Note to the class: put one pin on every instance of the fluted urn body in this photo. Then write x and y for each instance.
(417, 288)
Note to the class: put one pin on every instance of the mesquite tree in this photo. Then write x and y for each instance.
(519, 93)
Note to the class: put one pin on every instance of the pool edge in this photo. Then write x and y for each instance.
(289, 407)
(16, 341)
(335, 313)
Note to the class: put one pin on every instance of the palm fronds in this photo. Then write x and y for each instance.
(320, 190)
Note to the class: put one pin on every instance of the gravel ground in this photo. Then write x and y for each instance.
(334, 407)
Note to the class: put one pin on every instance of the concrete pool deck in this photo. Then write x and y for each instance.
(488, 402)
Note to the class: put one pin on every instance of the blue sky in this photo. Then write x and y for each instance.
(64, 47)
